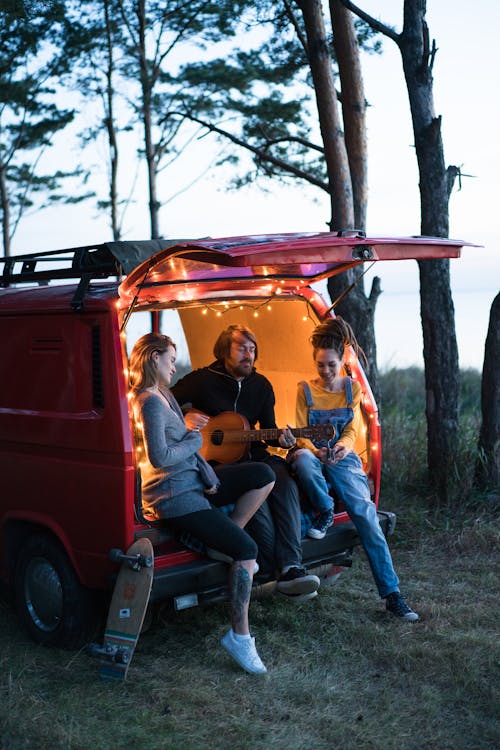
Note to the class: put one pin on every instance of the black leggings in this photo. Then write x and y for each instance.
(215, 528)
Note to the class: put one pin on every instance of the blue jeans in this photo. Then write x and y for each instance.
(348, 480)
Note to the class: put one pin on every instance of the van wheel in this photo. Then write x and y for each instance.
(50, 601)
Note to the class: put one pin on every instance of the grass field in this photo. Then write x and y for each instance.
(342, 674)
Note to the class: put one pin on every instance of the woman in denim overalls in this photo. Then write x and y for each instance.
(323, 465)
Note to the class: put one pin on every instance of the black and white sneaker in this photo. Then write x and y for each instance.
(297, 580)
(321, 525)
(396, 605)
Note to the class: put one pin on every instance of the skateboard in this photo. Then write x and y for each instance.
(126, 612)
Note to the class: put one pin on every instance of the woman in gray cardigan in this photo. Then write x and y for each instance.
(176, 481)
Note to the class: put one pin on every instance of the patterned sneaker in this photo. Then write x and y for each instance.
(297, 581)
(396, 605)
(244, 653)
(321, 525)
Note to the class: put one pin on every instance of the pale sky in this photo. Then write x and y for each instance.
(466, 84)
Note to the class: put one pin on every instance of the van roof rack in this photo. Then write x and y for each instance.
(98, 261)
(83, 263)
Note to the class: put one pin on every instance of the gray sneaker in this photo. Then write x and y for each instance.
(244, 653)
(297, 581)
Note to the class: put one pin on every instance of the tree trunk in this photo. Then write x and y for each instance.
(356, 308)
(359, 311)
(488, 466)
(437, 312)
(353, 106)
(147, 119)
(5, 206)
(110, 127)
(337, 165)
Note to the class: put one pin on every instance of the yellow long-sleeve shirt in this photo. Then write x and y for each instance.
(329, 400)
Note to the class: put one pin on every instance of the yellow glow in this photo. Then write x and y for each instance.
(204, 311)
(278, 290)
(256, 314)
(269, 308)
(219, 314)
(374, 446)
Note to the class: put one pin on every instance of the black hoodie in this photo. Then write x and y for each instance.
(213, 390)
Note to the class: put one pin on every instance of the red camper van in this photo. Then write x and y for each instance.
(68, 319)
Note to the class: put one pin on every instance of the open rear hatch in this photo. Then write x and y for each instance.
(256, 265)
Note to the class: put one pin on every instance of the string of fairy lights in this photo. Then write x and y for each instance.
(266, 306)
(221, 308)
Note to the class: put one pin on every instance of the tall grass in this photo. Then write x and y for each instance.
(404, 443)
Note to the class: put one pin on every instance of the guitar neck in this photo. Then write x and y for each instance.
(251, 436)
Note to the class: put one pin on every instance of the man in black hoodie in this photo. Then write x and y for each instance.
(231, 383)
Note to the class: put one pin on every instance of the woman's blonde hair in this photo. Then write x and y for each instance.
(143, 372)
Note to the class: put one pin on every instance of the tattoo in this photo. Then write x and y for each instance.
(240, 593)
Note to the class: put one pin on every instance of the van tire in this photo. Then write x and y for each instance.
(51, 603)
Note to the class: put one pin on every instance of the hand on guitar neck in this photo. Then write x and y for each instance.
(226, 437)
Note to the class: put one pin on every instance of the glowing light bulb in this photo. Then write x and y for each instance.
(204, 311)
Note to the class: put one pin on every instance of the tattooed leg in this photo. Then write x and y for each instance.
(241, 588)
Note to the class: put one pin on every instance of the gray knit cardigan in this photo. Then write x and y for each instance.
(174, 476)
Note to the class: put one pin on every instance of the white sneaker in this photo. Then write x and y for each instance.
(298, 598)
(244, 653)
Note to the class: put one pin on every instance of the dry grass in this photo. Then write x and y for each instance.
(342, 674)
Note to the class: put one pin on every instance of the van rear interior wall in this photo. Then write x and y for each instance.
(65, 438)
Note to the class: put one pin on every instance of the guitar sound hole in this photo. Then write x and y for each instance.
(217, 437)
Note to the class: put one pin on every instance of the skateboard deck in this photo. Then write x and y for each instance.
(127, 609)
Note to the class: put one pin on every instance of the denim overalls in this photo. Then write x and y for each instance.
(348, 480)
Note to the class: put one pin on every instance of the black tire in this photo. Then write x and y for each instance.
(51, 603)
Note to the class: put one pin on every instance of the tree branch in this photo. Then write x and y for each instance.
(257, 151)
(293, 20)
(376, 25)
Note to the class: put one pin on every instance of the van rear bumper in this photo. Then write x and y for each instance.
(207, 579)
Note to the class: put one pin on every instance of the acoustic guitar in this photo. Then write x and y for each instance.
(226, 436)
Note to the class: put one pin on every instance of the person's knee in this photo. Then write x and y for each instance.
(304, 461)
(263, 475)
(248, 549)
